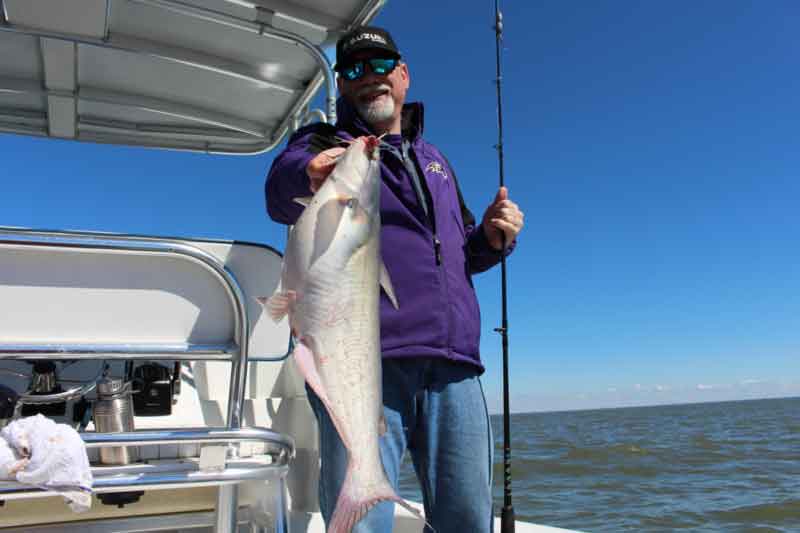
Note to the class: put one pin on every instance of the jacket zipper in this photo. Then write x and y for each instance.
(437, 244)
(409, 161)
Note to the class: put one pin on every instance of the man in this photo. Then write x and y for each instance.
(433, 401)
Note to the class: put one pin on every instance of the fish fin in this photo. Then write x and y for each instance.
(306, 363)
(304, 358)
(329, 216)
(305, 201)
(350, 509)
(386, 283)
(382, 428)
(279, 304)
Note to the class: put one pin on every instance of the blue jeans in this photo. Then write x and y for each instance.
(436, 409)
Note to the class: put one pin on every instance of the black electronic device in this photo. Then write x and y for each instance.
(154, 388)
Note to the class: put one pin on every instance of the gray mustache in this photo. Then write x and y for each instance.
(372, 88)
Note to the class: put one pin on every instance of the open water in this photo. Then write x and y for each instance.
(727, 467)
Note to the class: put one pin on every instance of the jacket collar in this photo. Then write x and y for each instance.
(412, 119)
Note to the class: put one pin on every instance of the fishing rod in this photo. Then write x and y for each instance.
(507, 513)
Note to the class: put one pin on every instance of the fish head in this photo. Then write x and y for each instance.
(357, 180)
(345, 211)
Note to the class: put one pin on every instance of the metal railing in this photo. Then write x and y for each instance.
(184, 474)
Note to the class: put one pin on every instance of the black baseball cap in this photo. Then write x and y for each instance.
(364, 38)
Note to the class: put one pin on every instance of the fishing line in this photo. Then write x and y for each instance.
(507, 513)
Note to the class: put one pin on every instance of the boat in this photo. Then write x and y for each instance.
(207, 426)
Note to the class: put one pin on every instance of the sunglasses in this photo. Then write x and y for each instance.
(358, 69)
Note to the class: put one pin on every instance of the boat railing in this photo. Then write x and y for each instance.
(192, 472)
(272, 466)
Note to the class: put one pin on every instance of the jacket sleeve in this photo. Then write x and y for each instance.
(480, 254)
(287, 178)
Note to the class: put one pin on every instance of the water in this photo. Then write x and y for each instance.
(730, 467)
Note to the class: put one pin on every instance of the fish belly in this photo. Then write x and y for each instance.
(340, 310)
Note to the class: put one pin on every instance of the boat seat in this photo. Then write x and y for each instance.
(78, 290)
(92, 297)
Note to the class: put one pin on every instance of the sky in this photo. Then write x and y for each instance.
(651, 145)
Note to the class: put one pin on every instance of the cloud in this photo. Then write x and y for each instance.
(640, 394)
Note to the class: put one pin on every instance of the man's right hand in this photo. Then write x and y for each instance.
(322, 165)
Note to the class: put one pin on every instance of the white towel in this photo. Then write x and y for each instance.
(10, 461)
(54, 458)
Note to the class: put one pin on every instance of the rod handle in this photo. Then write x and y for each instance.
(507, 519)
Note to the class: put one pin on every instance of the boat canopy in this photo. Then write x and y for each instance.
(222, 76)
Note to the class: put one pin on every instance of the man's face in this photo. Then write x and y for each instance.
(378, 98)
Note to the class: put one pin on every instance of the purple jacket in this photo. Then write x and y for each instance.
(430, 257)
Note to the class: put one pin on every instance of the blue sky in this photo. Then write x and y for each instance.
(652, 146)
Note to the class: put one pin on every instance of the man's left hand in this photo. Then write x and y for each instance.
(502, 217)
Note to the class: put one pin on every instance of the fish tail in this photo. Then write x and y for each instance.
(350, 508)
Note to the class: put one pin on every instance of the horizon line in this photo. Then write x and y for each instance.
(645, 406)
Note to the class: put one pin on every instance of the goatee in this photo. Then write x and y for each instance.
(377, 111)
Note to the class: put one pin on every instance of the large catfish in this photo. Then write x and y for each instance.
(330, 288)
